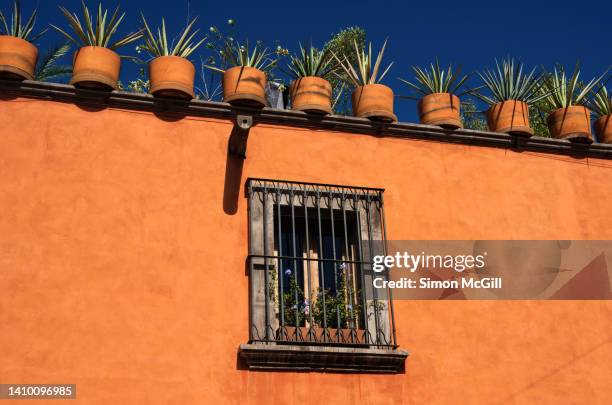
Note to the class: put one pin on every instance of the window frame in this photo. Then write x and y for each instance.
(266, 199)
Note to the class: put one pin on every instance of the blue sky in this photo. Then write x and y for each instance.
(467, 33)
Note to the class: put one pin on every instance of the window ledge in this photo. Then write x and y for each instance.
(322, 358)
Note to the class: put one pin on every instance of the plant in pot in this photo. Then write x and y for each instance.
(329, 317)
(570, 118)
(370, 99)
(18, 54)
(437, 92)
(244, 72)
(291, 308)
(295, 312)
(310, 91)
(170, 72)
(601, 105)
(342, 43)
(511, 91)
(96, 64)
(336, 314)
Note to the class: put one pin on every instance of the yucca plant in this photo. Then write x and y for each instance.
(98, 31)
(366, 70)
(312, 62)
(601, 103)
(159, 46)
(233, 53)
(436, 80)
(19, 27)
(509, 81)
(559, 91)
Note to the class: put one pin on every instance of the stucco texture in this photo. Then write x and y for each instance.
(123, 238)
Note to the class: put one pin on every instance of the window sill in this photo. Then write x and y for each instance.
(322, 358)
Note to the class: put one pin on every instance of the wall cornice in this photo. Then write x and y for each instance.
(146, 102)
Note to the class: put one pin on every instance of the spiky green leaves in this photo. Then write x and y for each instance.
(509, 81)
(601, 102)
(17, 28)
(436, 80)
(312, 62)
(158, 45)
(562, 91)
(48, 68)
(233, 53)
(363, 72)
(98, 31)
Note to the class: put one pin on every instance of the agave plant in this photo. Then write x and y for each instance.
(312, 62)
(562, 92)
(233, 53)
(17, 27)
(436, 80)
(509, 81)
(98, 32)
(601, 102)
(364, 72)
(158, 45)
(47, 67)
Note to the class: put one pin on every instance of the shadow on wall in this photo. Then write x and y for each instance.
(170, 109)
(168, 116)
(8, 96)
(231, 188)
(577, 151)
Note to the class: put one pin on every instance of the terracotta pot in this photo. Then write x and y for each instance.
(511, 117)
(244, 86)
(96, 67)
(440, 109)
(315, 335)
(374, 101)
(172, 76)
(311, 94)
(571, 123)
(603, 129)
(17, 58)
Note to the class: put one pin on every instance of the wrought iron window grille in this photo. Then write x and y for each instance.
(311, 248)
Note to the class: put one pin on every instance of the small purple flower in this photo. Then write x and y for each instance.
(349, 306)
(342, 266)
(288, 272)
(294, 307)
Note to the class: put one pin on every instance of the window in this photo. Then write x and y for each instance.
(311, 249)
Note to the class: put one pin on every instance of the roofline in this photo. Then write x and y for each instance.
(145, 102)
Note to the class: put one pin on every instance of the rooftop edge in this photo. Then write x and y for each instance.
(146, 102)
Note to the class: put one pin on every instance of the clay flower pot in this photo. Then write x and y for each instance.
(440, 109)
(17, 58)
(572, 123)
(511, 117)
(311, 94)
(374, 101)
(603, 129)
(172, 76)
(96, 67)
(243, 85)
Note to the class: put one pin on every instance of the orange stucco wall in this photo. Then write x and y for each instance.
(122, 261)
